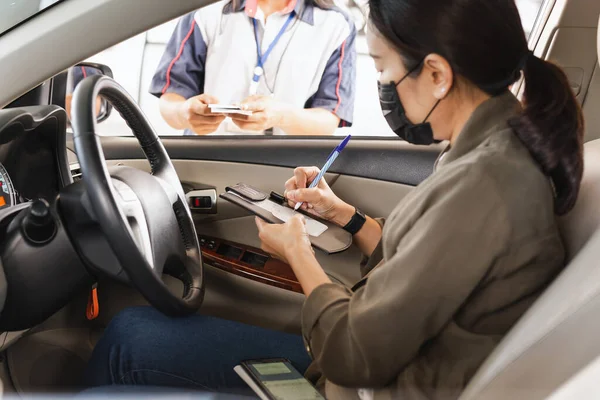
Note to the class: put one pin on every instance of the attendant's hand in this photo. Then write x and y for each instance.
(196, 116)
(284, 240)
(266, 113)
(319, 201)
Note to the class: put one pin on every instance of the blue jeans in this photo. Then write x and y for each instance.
(141, 346)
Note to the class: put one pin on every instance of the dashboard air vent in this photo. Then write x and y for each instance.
(75, 171)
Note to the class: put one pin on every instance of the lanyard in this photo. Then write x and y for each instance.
(262, 58)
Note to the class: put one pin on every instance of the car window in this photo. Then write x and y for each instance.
(14, 12)
(134, 62)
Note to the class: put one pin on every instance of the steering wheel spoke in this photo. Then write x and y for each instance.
(144, 218)
(132, 210)
(170, 191)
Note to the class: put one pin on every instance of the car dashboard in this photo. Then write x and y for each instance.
(34, 163)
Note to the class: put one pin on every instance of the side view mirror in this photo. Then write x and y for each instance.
(78, 73)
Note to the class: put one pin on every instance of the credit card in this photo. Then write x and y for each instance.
(231, 106)
(227, 109)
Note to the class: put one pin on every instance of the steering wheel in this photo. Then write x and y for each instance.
(143, 219)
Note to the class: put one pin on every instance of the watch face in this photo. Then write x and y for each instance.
(356, 223)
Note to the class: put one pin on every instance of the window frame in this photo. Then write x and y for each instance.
(32, 16)
(537, 28)
(535, 37)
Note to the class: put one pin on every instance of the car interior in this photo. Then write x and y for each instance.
(53, 251)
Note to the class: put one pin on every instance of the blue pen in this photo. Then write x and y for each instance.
(332, 157)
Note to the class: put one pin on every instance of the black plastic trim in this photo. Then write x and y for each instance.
(41, 279)
(30, 118)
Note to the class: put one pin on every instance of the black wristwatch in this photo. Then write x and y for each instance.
(356, 223)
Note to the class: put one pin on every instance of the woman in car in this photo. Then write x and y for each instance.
(268, 55)
(457, 262)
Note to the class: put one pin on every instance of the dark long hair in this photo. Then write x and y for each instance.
(484, 42)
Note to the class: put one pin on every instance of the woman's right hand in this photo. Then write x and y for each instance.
(319, 201)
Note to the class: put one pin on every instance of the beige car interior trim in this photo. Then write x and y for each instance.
(565, 33)
(583, 385)
(53, 38)
(591, 106)
(578, 65)
(558, 336)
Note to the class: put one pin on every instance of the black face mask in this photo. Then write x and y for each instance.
(394, 114)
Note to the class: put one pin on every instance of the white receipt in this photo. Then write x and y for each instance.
(313, 227)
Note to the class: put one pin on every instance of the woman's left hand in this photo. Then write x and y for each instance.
(284, 240)
(266, 113)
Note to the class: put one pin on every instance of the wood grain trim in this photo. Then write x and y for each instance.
(274, 272)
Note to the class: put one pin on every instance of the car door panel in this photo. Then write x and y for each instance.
(374, 175)
(375, 198)
(237, 225)
(218, 175)
(390, 160)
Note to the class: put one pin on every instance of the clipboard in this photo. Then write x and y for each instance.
(323, 235)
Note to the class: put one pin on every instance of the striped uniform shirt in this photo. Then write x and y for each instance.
(213, 50)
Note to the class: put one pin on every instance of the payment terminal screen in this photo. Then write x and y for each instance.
(284, 382)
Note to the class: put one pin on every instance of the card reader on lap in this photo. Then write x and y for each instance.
(276, 379)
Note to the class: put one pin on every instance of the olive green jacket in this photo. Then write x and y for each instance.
(461, 259)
